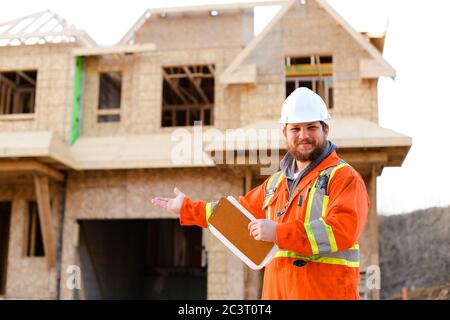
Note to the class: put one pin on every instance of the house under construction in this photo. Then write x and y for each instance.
(86, 141)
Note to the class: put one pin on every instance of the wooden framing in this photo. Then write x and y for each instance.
(11, 93)
(203, 109)
(42, 27)
(31, 166)
(5, 226)
(108, 112)
(105, 108)
(373, 223)
(114, 50)
(30, 232)
(197, 100)
(41, 184)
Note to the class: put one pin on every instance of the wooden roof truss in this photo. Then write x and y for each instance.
(42, 28)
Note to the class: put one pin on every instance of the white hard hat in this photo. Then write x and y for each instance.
(303, 105)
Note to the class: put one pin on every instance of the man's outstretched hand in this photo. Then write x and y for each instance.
(170, 204)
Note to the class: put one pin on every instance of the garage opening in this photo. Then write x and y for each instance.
(141, 259)
(5, 217)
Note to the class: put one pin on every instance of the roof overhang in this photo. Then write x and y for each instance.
(114, 50)
(43, 146)
(138, 151)
(29, 153)
(359, 141)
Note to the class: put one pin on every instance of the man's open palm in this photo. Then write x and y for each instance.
(170, 204)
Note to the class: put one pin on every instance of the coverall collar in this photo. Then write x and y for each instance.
(288, 165)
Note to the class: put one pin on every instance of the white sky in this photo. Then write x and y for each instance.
(416, 103)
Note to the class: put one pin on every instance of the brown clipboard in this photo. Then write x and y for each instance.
(229, 222)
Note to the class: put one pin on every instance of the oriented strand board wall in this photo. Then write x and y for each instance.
(27, 277)
(308, 30)
(186, 39)
(54, 65)
(141, 104)
(128, 194)
(191, 30)
(93, 67)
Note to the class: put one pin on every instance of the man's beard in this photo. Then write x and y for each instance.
(310, 156)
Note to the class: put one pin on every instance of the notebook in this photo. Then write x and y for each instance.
(229, 223)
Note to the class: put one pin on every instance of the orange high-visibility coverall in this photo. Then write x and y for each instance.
(346, 215)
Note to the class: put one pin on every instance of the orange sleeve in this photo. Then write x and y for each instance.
(194, 212)
(346, 214)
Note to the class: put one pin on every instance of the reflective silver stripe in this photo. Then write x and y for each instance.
(348, 258)
(320, 234)
(317, 204)
(271, 187)
(350, 255)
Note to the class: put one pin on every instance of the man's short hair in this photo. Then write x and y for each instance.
(323, 124)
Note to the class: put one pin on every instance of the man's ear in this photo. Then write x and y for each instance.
(284, 131)
(326, 130)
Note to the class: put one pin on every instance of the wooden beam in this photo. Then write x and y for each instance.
(217, 6)
(196, 84)
(45, 217)
(188, 94)
(174, 88)
(23, 36)
(196, 75)
(248, 180)
(107, 112)
(31, 166)
(211, 69)
(365, 157)
(114, 50)
(26, 77)
(33, 228)
(5, 79)
(372, 221)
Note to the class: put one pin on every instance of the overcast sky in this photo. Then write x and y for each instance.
(416, 103)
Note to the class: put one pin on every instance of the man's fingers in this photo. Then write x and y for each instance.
(161, 199)
(160, 202)
(253, 228)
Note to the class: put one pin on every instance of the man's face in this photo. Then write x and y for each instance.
(305, 141)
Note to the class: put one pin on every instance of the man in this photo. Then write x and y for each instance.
(314, 209)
